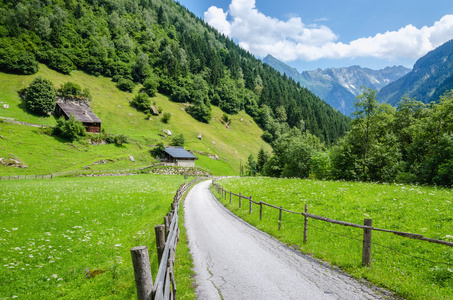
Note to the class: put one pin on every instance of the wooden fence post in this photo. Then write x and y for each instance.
(366, 253)
(261, 210)
(280, 218)
(250, 206)
(305, 224)
(160, 241)
(142, 271)
(230, 197)
(240, 200)
(167, 225)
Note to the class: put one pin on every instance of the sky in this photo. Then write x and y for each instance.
(308, 35)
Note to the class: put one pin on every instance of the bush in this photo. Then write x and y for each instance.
(141, 102)
(180, 94)
(40, 97)
(70, 129)
(118, 140)
(225, 119)
(126, 85)
(178, 141)
(267, 136)
(60, 62)
(73, 90)
(166, 117)
(200, 111)
(18, 62)
(150, 86)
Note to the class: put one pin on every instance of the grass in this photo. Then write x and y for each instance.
(69, 238)
(39, 151)
(411, 268)
(184, 274)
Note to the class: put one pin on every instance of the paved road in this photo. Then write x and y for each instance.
(234, 260)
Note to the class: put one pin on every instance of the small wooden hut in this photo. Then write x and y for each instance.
(178, 156)
(81, 112)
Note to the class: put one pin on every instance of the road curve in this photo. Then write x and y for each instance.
(234, 260)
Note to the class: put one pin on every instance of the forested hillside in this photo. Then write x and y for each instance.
(430, 78)
(161, 45)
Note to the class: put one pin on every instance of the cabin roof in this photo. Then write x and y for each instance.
(81, 113)
(179, 153)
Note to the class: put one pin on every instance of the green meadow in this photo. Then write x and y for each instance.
(411, 268)
(70, 238)
(46, 154)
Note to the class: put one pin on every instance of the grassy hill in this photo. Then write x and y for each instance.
(44, 154)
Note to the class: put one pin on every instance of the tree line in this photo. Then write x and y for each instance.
(163, 47)
(410, 143)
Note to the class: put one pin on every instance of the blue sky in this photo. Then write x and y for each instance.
(324, 33)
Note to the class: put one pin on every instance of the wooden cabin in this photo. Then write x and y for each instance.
(178, 156)
(81, 112)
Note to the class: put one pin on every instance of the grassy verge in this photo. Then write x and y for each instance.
(184, 274)
(411, 268)
(69, 238)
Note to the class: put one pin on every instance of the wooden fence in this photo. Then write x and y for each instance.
(367, 226)
(18, 177)
(76, 173)
(167, 237)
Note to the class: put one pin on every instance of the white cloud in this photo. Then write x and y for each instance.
(292, 39)
(217, 18)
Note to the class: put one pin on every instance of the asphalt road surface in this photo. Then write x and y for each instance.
(234, 260)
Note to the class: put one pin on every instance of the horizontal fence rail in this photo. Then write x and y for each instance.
(367, 227)
(167, 238)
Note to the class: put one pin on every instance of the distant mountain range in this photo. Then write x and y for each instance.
(339, 86)
(431, 76)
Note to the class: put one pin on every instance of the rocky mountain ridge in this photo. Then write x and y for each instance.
(339, 86)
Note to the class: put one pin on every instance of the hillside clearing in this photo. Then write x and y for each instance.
(232, 145)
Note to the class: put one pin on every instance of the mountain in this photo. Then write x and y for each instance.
(431, 76)
(339, 86)
(159, 44)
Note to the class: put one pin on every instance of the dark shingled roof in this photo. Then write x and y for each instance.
(179, 153)
(82, 113)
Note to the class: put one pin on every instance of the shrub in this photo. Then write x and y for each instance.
(150, 85)
(19, 62)
(126, 85)
(73, 90)
(118, 140)
(200, 111)
(141, 102)
(267, 136)
(70, 129)
(40, 97)
(225, 119)
(166, 117)
(180, 94)
(159, 149)
(178, 140)
(60, 62)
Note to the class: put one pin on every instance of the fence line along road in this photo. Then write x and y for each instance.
(167, 237)
(367, 227)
